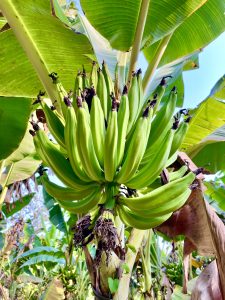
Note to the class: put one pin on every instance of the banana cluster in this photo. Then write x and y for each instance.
(104, 140)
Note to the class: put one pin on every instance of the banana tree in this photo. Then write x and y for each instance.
(46, 45)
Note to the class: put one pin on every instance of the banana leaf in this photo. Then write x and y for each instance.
(14, 115)
(51, 47)
(43, 258)
(11, 209)
(117, 20)
(55, 213)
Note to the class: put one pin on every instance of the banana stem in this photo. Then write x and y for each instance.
(135, 239)
(8, 175)
(4, 185)
(25, 39)
(2, 165)
(146, 261)
(152, 66)
(147, 274)
(138, 36)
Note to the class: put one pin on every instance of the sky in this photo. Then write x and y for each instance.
(198, 83)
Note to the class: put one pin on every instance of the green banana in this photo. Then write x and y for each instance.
(62, 93)
(159, 93)
(148, 173)
(66, 194)
(77, 89)
(83, 205)
(85, 145)
(94, 75)
(57, 162)
(163, 117)
(111, 140)
(78, 85)
(38, 149)
(55, 125)
(70, 134)
(136, 147)
(179, 137)
(161, 125)
(123, 118)
(133, 97)
(97, 122)
(178, 174)
(164, 208)
(133, 220)
(161, 195)
(141, 99)
(85, 80)
(102, 93)
(109, 86)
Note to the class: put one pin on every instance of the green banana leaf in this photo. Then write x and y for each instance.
(205, 139)
(216, 193)
(17, 205)
(51, 47)
(25, 160)
(2, 240)
(55, 213)
(25, 148)
(39, 250)
(14, 115)
(207, 118)
(22, 169)
(43, 258)
(117, 20)
(210, 155)
(197, 31)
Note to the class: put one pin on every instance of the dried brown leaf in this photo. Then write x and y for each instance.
(207, 286)
(201, 226)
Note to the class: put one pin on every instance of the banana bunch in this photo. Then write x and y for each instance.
(102, 142)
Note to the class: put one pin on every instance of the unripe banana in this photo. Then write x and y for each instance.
(70, 133)
(159, 93)
(148, 173)
(111, 140)
(40, 153)
(57, 162)
(66, 193)
(102, 93)
(83, 205)
(97, 121)
(85, 80)
(78, 86)
(85, 145)
(62, 93)
(178, 174)
(54, 124)
(141, 99)
(133, 220)
(94, 75)
(161, 195)
(169, 206)
(123, 118)
(109, 86)
(161, 125)
(179, 136)
(136, 147)
(133, 96)
(77, 89)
